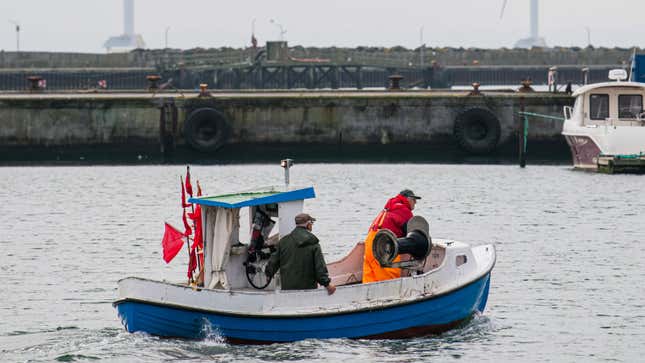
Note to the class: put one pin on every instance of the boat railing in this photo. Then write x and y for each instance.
(568, 111)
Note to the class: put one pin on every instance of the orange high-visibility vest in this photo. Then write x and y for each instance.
(372, 270)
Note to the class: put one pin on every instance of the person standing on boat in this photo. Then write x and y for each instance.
(394, 216)
(299, 258)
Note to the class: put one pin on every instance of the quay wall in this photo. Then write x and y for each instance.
(256, 118)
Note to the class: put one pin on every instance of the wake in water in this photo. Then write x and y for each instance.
(212, 335)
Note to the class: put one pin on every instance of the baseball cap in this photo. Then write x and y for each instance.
(408, 193)
(303, 218)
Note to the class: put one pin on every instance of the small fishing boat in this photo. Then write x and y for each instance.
(443, 283)
(605, 129)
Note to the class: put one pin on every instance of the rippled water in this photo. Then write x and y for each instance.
(567, 285)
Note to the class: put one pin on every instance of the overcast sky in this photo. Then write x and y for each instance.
(84, 25)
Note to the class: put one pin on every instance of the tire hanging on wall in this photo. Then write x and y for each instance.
(206, 129)
(477, 130)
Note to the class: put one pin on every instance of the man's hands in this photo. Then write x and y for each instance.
(330, 289)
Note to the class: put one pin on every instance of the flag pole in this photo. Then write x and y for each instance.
(192, 209)
(183, 216)
(200, 266)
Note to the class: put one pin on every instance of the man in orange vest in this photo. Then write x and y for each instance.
(394, 216)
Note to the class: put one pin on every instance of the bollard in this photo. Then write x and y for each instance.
(475, 91)
(203, 90)
(34, 83)
(395, 79)
(526, 86)
(152, 82)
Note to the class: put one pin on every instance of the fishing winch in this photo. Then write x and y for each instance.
(417, 243)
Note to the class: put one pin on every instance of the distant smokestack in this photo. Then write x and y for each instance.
(534, 19)
(128, 17)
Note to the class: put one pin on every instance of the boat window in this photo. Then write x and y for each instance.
(629, 106)
(461, 259)
(599, 106)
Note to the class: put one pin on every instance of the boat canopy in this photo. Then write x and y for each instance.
(263, 196)
(221, 226)
(590, 87)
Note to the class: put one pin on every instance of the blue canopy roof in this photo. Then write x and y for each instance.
(258, 197)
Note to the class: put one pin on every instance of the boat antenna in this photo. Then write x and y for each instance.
(286, 164)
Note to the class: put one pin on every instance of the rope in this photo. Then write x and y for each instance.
(556, 118)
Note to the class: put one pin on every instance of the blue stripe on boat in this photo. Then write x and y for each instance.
(174, 322)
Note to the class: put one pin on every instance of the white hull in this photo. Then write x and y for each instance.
(348, 298)
(610, 135)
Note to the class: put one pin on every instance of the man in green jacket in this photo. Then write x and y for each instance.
(299, 259)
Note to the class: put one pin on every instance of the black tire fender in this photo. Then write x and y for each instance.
(206, 129)
(477, 130)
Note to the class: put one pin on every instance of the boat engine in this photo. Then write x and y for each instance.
(259, 253)
(417, 243)
(262, 226)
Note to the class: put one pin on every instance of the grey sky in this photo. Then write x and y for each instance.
(83, 25)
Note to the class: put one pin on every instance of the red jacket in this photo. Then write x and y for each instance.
(397, 213)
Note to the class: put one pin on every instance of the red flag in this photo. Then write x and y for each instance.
(199, 189)
(171, 242)
(188, 231)
(189, 187)
(197, 222)
(183, 194)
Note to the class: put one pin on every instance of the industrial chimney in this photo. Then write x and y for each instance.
(128, 40)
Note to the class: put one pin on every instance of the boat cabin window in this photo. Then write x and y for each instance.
(629, 106)
(598, 106)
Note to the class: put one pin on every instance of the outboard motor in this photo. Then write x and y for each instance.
(417, 243)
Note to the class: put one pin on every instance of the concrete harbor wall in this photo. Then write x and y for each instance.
(257, 118)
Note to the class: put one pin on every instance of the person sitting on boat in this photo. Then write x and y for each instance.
(394, 216)
(299, 258)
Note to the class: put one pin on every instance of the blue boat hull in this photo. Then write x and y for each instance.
(421, 317)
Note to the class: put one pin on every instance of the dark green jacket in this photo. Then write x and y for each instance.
(300, 261)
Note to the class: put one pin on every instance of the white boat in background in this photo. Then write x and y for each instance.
(605, 128)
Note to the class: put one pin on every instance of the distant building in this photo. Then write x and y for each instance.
(128, 40)
(531, 42)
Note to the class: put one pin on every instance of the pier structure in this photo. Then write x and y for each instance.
(209, 121)
(212, 100)
(277, 66)
(297, 76)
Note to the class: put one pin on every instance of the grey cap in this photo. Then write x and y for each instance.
(303, 218)
(408, 193)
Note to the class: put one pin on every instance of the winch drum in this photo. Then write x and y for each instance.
(417, 243)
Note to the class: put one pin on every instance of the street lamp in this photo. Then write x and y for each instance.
(282, 30)
(421, 48)
(17, 34)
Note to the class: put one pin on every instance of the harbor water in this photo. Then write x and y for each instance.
(567, 285)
